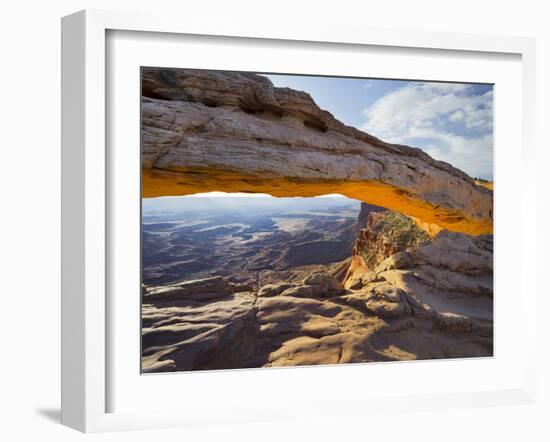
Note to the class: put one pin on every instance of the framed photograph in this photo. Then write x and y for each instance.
(262, 223)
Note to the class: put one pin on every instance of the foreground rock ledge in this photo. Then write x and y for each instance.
(236, 132)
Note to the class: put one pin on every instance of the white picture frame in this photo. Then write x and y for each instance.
(86, 354)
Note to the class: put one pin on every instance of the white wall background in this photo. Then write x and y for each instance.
(30, 214)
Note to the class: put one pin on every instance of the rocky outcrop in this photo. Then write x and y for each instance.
(324, 285)
(200, 289)
(207, 130)
(386, 233)
(319, 285)
(448, 280)
(432, 300)
(381, 299)
(269, 290)
(246, 331)
(187, 335)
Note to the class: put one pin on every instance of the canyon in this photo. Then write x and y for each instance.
(404, 272)
(250, 241)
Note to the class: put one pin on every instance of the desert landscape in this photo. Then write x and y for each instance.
(275, 235)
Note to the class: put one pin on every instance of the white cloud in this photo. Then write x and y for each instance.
(457, 116)
(472, 155)
(445, 88)
(445, 119)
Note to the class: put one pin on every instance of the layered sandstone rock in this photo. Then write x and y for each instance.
(447, 280)
(200, 289)
(206, 130)
(185, 334)
(433, 300)
(385, 234)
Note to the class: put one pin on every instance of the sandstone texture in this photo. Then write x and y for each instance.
(448, 279)
(200, 289)
(427, 299)
(207, 130)
(385, 234)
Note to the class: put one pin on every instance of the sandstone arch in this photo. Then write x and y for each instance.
(236, 132)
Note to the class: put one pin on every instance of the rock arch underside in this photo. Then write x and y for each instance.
(422, 290)
(238, 133)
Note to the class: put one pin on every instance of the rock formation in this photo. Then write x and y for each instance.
(448, 279)
(200, 289)
(366, 210)
(207, 130)
(418, 285)
(428, 299)
(385, 234)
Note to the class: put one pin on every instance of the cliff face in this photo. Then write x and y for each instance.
(365, 211)
(205, 130)
(397, 270)
(385, 234)
(451, 274)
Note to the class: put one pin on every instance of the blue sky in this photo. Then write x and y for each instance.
(452, 122)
